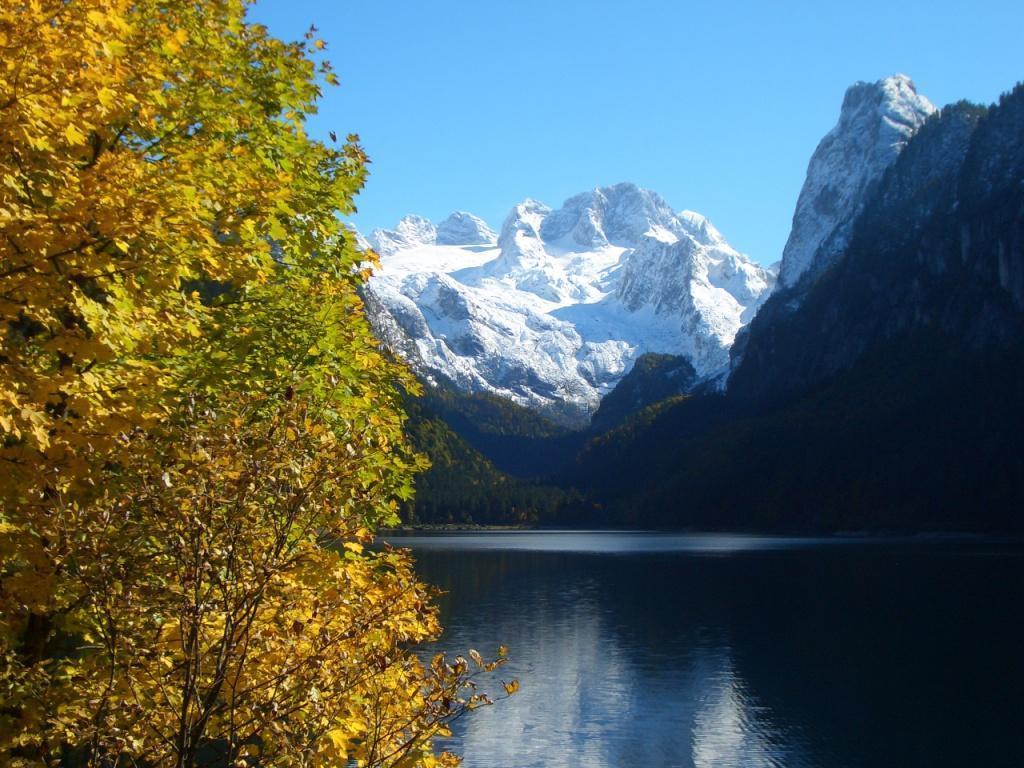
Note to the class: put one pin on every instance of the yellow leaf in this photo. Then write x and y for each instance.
(339, 741)
(337, 737)
(74, 135)
(114, 49)
(106, 97)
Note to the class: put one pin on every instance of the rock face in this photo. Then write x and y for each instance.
(875, 123)
(554, 312)
(937, 249)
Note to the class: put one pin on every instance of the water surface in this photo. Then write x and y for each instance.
(661, 650)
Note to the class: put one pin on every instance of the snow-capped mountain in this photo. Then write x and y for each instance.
(411, 232)
(875, 123)
(553, 313)
(460, 228)
(463, 228)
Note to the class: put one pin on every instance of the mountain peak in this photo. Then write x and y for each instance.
(525, 217)
(416, 226)
(700, 228)
(893, 99)
(620, 215)
(462, 228)
(875, 123)
(411, 231)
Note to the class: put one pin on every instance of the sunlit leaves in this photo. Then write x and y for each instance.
(198, 431)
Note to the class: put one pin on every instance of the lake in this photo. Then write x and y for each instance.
(662, 650)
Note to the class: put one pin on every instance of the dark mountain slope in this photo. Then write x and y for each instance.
(517, 440)
(857, 453)
(653, 378)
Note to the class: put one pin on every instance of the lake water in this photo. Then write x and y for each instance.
(658, 650)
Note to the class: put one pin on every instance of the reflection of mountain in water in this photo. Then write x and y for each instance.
(601, 688)
(836, 656)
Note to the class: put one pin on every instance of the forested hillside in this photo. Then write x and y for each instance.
(462, 485)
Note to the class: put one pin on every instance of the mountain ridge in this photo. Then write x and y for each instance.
(553, 312)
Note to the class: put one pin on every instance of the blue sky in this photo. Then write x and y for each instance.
(715, 105)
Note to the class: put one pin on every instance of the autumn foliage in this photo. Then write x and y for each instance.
(198, 432)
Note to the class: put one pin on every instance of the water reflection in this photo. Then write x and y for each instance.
(732, 730)
(730, 651)
(582, 704)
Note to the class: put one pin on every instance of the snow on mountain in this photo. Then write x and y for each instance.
(875, 123)
(463, 228)
(553, 313)
(412, 231)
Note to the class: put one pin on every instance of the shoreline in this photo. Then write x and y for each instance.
(416, 528)
(453, 528)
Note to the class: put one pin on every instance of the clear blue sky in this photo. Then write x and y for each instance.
(716, 105)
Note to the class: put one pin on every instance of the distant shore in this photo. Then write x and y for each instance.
(452, 528)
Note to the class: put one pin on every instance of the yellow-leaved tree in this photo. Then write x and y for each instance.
(198, 432)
